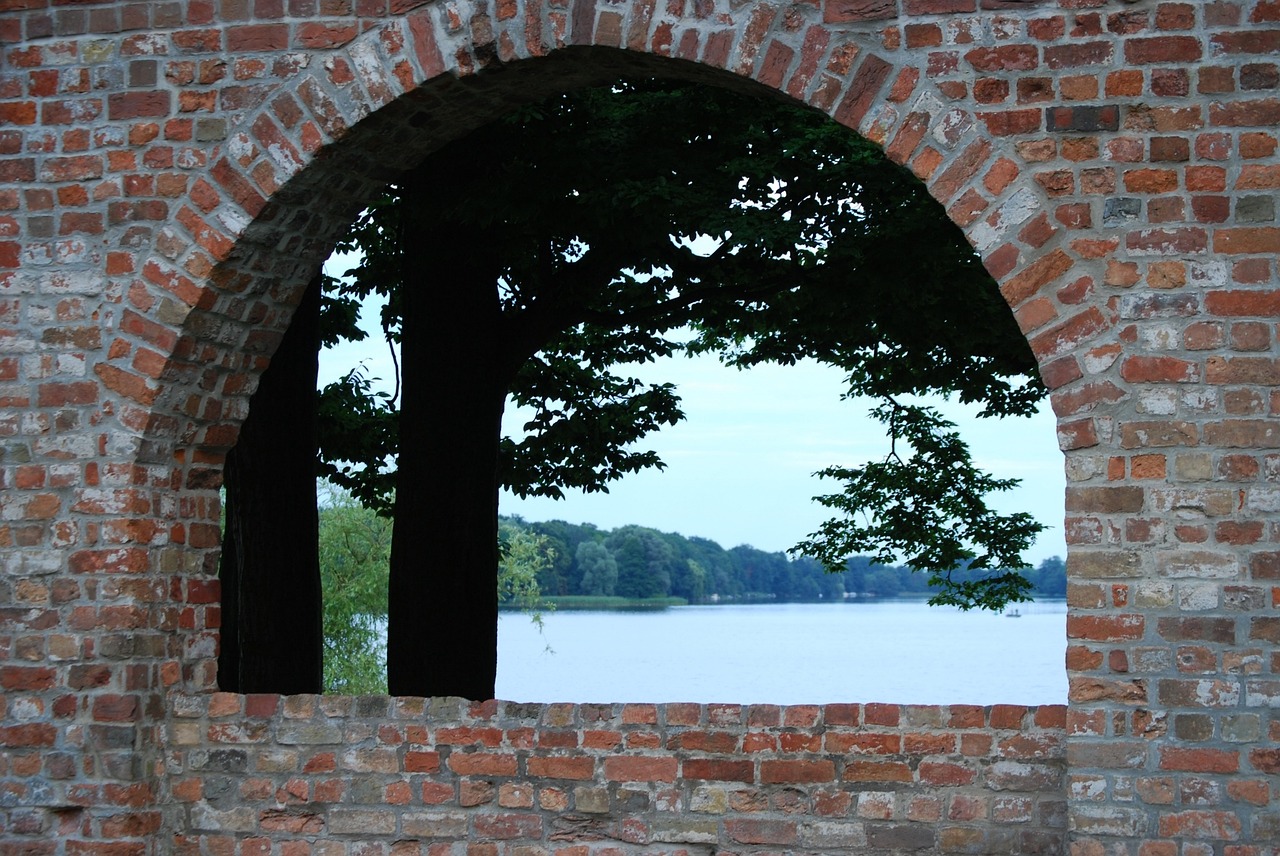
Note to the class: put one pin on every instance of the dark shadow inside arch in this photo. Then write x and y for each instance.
(536, 258)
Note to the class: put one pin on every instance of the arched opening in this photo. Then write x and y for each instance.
(458, 238)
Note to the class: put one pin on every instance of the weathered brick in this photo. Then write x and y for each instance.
(577, 768)
(797, 771)
(753, 831)
(640, 769)
(1106, 628)
(718, 770)
(482, 764)
(852, 11)
(1200, 824)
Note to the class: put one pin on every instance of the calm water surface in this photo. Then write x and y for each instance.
(887, 651)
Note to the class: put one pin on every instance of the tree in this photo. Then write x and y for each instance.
(715, 562)
(599, 568)
(564, 576)
(354, 551)
(536, 258)
(271, 639)
(690, 582)
(1050, 577)
(645, 562)
(524, 555)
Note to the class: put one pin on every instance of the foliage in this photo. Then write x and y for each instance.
(599, 568)
(745, 573)
(524, 555)
(590, 207)
(646, 563)
(358, 432)
(927, 507)
(355, 548)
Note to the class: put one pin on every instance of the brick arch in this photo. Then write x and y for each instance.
(294, 170)
(291, 173)
(1114, 160)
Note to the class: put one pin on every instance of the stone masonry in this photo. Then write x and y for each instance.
(171, 175)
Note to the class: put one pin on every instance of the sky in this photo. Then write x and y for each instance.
(740, 466)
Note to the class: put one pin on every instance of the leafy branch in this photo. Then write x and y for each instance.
(929, 510)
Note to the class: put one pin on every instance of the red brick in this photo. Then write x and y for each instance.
(792, 742)
(20, 113)
(482, 764)
(942, 774)
(1262, 240)
(1013, 122)
(853, 11)
(629, 768)
(1008, 715)
(1264, 760)
(36, 734)
(876, 771)
(578, 768)
(841, 714)
(753, 831)
(1099, 628)
(1004, 58)
(923, 35)
(26, 678)
(126, 383)
(466, 735)
(718, 770)
(258, 37)
(1257, 145)
(421, 762)
(593, 739)
(1035, 276)
(1070, 334)
(505, 827)
(1237, 303)
(1060, 56)
(64, 394)
(75, 168)
(323, 35)
(862, 91)
(929, 744)
(1164, 49)
(1198, 824)
(796, 772)
(1159, 370)
(138, 105)
(115, 708)
(1259, 114)
(940, 7)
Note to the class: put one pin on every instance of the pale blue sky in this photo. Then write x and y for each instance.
(739, 468)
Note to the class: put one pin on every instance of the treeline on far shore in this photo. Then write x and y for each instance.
(587, 566)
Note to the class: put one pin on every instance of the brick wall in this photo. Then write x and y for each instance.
(431, 776)
(171, 173)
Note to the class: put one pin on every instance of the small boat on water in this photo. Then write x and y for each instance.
(1013, 613)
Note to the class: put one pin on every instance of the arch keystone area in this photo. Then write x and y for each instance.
(171, 174)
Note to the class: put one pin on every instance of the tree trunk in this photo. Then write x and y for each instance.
(272, 637)
(442, 626)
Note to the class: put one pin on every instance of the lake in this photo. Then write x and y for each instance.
(898, 651)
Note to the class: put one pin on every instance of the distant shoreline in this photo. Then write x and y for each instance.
(568, 603)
